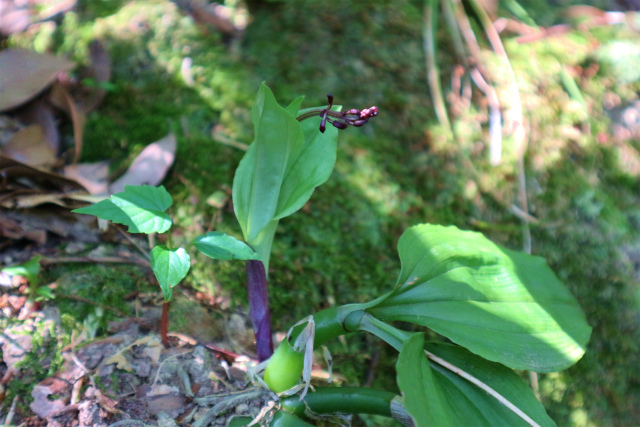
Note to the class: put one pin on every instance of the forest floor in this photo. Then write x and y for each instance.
(81, 346)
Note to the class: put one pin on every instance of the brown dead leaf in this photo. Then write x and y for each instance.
(60, 98)
(93, 176)
(120, 361)
(29, 146)
(11, 229)
(39, 112)
(32, 200)
(13, 17)
(32, 177)
(151, 165)
(24, 74)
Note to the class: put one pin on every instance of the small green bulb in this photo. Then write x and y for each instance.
(284, 369)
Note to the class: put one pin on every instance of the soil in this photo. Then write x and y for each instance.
(125, 378)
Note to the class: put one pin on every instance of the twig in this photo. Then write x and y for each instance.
(126, 235)
(223, 139)
(155, 380)
(12, 411)
(493, 393)
(227, 404)
(103, 260)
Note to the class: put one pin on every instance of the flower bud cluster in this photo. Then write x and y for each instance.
(341, 119)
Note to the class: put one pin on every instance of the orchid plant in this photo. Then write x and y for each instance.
(500, 310)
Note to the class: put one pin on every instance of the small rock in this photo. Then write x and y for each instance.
(242, 408)
(164, 420)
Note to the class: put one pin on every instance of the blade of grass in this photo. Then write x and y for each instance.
(433, 74)
(498, 47)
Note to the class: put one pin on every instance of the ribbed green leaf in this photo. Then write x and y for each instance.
(282, 167)
(217, 245)
(503, 305)
(141, 208)
(437, 396)
(423, 396)
(482, 408)
(170, 266)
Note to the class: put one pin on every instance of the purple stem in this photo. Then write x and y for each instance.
(259, 308)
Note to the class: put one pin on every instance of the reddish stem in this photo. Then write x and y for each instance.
(164, 324)
(259, 308)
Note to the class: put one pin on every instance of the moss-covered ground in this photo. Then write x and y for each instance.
(399, 170)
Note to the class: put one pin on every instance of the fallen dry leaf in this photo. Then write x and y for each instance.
(39, 112)
(24, 74)
(36, 178)
(13, 17)
(60, 97)
(120, 361)
(11, 229)
(93, 176)
(150, 167)
(29, 146)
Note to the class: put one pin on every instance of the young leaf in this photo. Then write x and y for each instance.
(141, 208)
(503, 305)
(170, 266)
(423, 397)
(217, 245)
(28, 269)
(282, 167)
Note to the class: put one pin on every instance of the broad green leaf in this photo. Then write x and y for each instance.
(141, 208)
(170, 266)
(28, 269)
(217, 245)
(282, 167)
(467, 398)
(423, 398)
(437, 396)
(503, 305)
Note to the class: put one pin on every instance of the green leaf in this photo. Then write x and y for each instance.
(170, 266)
(28, 269)
(282, 167)
(468, 398)
(423, 397)
(217, 245)
(437, 396)
(503, 305)
(141, 208)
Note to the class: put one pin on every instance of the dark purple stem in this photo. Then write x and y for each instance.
(259, 308)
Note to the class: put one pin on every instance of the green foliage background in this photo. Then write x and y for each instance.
(397, 171)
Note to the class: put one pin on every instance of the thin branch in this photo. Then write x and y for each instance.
(127, 236)
(12, 411)
(102, 260)
(500, 398)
